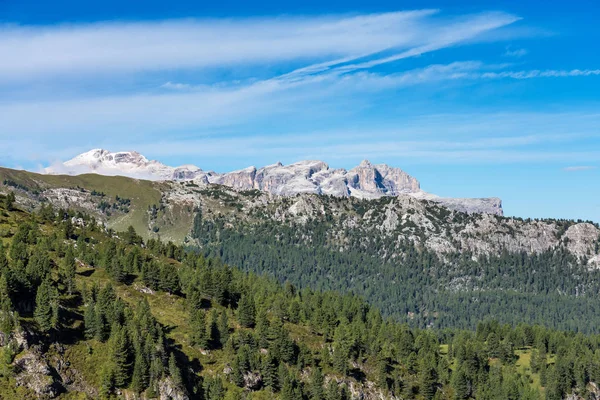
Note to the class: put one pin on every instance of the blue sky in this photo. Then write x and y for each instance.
(474, 99)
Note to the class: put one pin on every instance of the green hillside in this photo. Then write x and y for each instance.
(142, 195)
(87, 315)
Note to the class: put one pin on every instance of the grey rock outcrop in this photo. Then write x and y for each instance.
(168, 390)
(33, 372)
(365, 181)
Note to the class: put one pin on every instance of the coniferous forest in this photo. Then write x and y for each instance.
(86, 312)
(551, 288)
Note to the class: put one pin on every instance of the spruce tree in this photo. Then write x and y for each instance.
(9, 201)
(68, 270)
(68, 230)
(38, 266)
(270, 372)
(340, 358)
(90, 320)
(140, 377)
(199, 332)
(120, 350)
(107, 380)
(237, 374)
(3, 260)
(213, 388)
(333, 391)
(316, 385)
(460, 384)
(223, 328)
(426, 375)
(6, 312)
(246, 313)
(174, 371)
(213, 330)
(169, 280)
(46, 306)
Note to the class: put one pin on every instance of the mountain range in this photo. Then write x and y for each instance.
(417, 257)
(365, 181)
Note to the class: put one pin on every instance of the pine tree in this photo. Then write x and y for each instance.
(262, 327)
(199, 332)
(90, 320)
(9, 201)
(68, 270)
(213, 330)
(6, 312)
(333, 391)
(174, 371)
(294, 312)
(117, 271)
(140, 377)
(46, 306)
(460, 384)
(107, 380)
(340, 358)
(223, 328)
(120, 351)
(3, 260)
(287, 389)
(270, 372)
(493, 345)
(316, 385)
(38, 267)
(213, 387)
(382, 373)
(246, 313)
(68, 230)
(426, 375)
(169, 280)
(237, 375)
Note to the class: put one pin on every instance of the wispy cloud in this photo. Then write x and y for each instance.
(579, 168)
(30, 52)
(516, 53)
(176, 86)
(541, 73)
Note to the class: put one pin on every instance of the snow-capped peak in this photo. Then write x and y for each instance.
(124, 163)
(312, 176)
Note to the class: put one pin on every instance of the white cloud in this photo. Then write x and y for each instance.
(37, 52)
(541, 74)
(176, 86)
(579, 168)
(516, 53)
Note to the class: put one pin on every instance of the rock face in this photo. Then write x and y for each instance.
(33, 372)
(168, 390)
(365, 181)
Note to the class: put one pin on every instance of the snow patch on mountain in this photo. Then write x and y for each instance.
(123, 163)
(367, 181)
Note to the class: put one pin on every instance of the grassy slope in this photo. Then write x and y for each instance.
(142, 194)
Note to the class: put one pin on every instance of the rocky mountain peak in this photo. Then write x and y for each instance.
(366, 180)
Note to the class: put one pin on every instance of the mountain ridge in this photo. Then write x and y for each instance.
(366, 180)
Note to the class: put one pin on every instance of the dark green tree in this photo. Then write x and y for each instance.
(46, 306)
(68, 270)
(200, 336)
(316, 384)
(6, 308)
(246, 312)
(121, 354)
